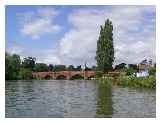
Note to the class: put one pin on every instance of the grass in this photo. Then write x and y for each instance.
(141, 82)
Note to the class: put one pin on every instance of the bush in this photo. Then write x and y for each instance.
(25, 74)
(142, 82)
(130, 71)
(152, 71)
(99, 74)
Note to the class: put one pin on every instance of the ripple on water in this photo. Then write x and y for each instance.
(76, 99)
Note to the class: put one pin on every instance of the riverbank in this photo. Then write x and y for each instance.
(137, 82)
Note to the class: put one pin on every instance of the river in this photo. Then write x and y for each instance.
(76, 98)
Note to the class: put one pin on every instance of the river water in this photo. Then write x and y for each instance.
(76, 98)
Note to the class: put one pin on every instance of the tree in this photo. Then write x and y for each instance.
(105, 48)
(50, 67)
(130, 71)
(25, 74)
(70, 68)
(134, 66)
(29, 63)
(59, 68)
(94, 68)
(78, 68)
(41, 67)
(12, 64)
(152, 71)
(120, 66)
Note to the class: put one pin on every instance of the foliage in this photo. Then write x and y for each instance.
(50, 67)
(152, 71)
(130, 71)
(41, 67)
(12, 65)
(25, 74)
(142, 82)
(133, 66)
(78, 68)
(70, 68)
(29, 63)
(105, 48)
(120, 66)
(99, 74)
(59, 68)
(104, 101)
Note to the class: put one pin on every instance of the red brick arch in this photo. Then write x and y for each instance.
(66, 74)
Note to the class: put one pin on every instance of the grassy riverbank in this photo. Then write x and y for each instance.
(142, 82)
(137, 82)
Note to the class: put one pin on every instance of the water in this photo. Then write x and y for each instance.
(64, 98)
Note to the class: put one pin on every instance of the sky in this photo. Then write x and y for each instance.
(68, 34)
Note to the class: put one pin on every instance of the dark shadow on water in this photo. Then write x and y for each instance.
(104, 100)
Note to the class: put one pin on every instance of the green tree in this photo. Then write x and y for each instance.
(120, 66)
(130, 71)
(78, 68)
(25, 74)
(50, 67)
(70, 68)
(12, 65)
(105, 48)
(152, 71)
(59, 68)
(29, 63)
(41, 67)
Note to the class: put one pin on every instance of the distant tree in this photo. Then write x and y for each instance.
(79, 68)
(134, 66)
(59, 68)
(70, 68)
(41, 67)
(105, 48)
(25, 74)
(87, 69)
(130, 71)
(50, 67)
(120, 66)
(94, 68)
(29, 63)
(152, 71)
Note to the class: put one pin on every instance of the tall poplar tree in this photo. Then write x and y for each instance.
(105, 47)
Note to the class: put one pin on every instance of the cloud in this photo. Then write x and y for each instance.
(134, 34)
(36, 24)
(15, 48)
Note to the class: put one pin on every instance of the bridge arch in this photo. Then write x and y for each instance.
(76, 76)
(48, 77)
(61, 77)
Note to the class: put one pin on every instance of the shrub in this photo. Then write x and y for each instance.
(25, 74)
(99, 74)
(142, 82)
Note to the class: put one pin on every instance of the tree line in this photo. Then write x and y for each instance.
(17, 68)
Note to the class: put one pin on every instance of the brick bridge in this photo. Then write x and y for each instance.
(64, 74)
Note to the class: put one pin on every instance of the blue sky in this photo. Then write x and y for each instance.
(68, 34)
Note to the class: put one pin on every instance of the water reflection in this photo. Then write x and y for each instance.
(104, 100)
(78, 98)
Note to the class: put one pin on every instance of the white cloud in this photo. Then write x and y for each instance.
(43, 23)
(134, 38)
(39, 27)
(134, 34)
